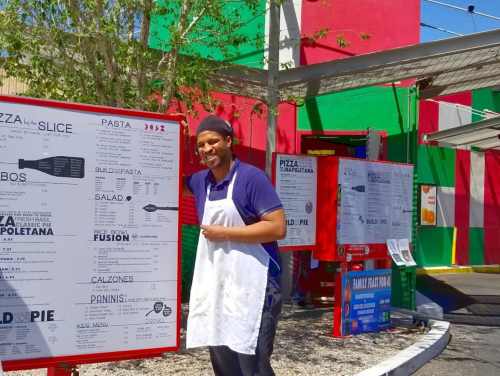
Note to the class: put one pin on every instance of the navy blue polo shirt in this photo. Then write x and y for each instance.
(253, 195)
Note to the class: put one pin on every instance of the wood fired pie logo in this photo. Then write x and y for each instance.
(341, 251)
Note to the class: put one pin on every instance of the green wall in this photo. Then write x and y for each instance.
(485, 99)
(381, 108)
(436, 166)
(476, 246)
(437, 239)
(247, 54)
(190, 236)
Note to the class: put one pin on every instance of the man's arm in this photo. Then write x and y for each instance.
(271, 227)
(185, 190)
(185, 132)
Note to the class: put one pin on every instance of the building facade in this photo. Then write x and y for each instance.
(468, 181)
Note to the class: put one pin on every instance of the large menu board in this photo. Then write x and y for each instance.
(89, 231)
(374, 202)
(296, 179)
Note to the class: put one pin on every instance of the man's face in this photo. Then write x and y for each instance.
(214, 149)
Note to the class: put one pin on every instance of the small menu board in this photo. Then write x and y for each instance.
(296, 184)
(428, 205)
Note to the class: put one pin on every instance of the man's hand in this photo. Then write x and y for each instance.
(214, 233)
(185, 128)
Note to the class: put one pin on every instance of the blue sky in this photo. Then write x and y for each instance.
(456, 20)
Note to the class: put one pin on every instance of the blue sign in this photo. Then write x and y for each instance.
(366, 301)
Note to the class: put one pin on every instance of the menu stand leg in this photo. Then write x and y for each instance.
(62, 371)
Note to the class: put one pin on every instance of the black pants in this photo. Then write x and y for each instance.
(227, 362)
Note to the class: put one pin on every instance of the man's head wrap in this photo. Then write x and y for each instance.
(215, 124)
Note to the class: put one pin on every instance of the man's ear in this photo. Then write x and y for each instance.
(229, 141)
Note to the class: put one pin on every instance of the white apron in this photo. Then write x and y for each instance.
(229, 285)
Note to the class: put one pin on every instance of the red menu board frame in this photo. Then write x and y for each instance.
(73, 360)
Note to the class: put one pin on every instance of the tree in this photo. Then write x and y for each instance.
(97, 51)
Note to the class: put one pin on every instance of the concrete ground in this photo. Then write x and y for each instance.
(471, 303)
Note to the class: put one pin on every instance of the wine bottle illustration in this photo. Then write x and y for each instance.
(359, 188)
(346, 314)
(62, 167)
(152, 208)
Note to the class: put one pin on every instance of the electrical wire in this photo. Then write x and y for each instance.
(473, 22)
(462, 107)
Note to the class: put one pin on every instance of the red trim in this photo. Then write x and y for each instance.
(428, 115)
(337, 308)
(462, 205)
(297, 247)
(492, 207)
(273, 169)
(179, 237)
(88, 108)
(299, 134)
(73, 360)
(357, 252)
(326, 215)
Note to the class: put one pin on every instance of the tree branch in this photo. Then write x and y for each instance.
(170, 59)
(108, 56)
(79, 19)
(143, 49)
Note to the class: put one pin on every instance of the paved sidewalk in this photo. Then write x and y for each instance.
(471, 303)
(470, 298)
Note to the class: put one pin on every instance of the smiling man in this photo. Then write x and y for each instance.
(236, 294)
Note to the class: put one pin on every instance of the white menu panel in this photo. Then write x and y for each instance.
(402, 201)
(296, 185)
(374, 201)
(378, 202)
(351, 202)
(88, 232)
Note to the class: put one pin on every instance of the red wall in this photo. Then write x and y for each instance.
(462, 205)
(428, 116)
(391, 24)
(492, 207)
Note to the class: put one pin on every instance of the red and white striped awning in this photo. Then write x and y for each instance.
(484, 134)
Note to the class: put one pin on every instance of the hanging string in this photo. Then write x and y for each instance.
(462, 108)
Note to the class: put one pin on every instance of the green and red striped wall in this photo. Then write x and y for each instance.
(468, 185)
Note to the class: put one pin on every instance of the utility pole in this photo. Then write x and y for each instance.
(272, 82)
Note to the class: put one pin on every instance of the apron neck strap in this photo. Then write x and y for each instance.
(229, 187)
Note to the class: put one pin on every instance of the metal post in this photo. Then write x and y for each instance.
(62, 371)
(272, 82)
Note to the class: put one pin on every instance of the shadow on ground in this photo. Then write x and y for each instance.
(458, 307)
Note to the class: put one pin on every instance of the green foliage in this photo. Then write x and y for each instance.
(364, 36)
(287, 64)
(319, 34)
(342, 42)
(326, 5)
(97, 51)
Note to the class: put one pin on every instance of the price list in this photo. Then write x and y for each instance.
(89, 224)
